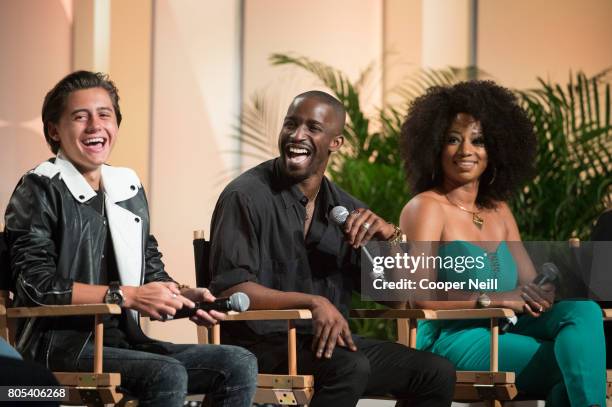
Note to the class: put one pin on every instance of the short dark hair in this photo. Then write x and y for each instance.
(329, 100)
(55, 100)
(508, 135)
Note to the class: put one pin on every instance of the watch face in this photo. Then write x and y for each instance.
(114, 296)
(484, 301)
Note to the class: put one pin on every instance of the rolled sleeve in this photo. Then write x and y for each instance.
(234, 252)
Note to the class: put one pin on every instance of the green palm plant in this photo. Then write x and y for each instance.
(573, 179)
(573, 167)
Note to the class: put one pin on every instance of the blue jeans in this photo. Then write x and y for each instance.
(162, 374)
(7, 351)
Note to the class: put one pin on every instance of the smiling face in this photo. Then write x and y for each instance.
(87, 129)
(312, 129)
(464, 157)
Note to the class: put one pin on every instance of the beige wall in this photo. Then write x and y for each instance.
(402, 43)
(35, 54)
(446, 33)
(196, 103)
(345, 34)
(522, 39)
(130, 68)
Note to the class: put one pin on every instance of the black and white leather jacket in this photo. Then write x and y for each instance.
(56, 238)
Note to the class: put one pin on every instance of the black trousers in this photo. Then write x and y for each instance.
(377, 368)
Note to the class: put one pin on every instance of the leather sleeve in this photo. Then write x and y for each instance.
(154, 267)
(31, 229)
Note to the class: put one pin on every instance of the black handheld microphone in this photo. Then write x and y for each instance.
(236, 302)
(548, 274)
(338, 214)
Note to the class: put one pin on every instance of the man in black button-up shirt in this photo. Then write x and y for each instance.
(272, 238)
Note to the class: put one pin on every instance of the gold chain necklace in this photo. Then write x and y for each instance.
(476, 219)
(309, 215)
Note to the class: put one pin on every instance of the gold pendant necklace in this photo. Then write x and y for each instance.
(476, 219)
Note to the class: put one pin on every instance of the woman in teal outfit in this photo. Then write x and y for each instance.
(466, 149)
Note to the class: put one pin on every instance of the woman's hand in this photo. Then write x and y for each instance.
(537, 298)
(530, 299)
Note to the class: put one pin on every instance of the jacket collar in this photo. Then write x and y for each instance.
(120, 184)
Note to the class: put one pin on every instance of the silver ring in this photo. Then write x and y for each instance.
(365, 225)
(541, 309)
(173, 295)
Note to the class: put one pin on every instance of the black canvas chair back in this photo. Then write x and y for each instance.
(201, 253)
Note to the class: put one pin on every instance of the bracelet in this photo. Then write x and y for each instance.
(397, 235)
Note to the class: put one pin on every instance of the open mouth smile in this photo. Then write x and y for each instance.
(297, 154)
(94, 144)
(466, 165)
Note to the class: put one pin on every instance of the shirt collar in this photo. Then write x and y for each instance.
(120, 184)
(292, 194)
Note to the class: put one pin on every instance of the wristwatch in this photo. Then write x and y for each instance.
(114, 295)
(483, 301)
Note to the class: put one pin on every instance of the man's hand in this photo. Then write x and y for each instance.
(156, 299)
(202, 317)
(362, 225)
(330, 328)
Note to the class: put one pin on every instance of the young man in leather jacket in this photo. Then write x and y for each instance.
(78, 233)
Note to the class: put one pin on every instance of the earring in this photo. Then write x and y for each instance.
(494, 175)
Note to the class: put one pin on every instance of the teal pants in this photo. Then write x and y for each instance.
(559, 356)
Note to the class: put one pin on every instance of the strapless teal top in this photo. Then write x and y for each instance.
(496, 271)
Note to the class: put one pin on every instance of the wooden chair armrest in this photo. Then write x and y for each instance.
(393, 314)
(481, 313)
(63, 310)
(96, 310)
(288, 315)
(607, 314)
(263, 315)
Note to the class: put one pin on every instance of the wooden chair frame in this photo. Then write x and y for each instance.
(283, 389)
(95, 388)
(91, 388)
(492, 386)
